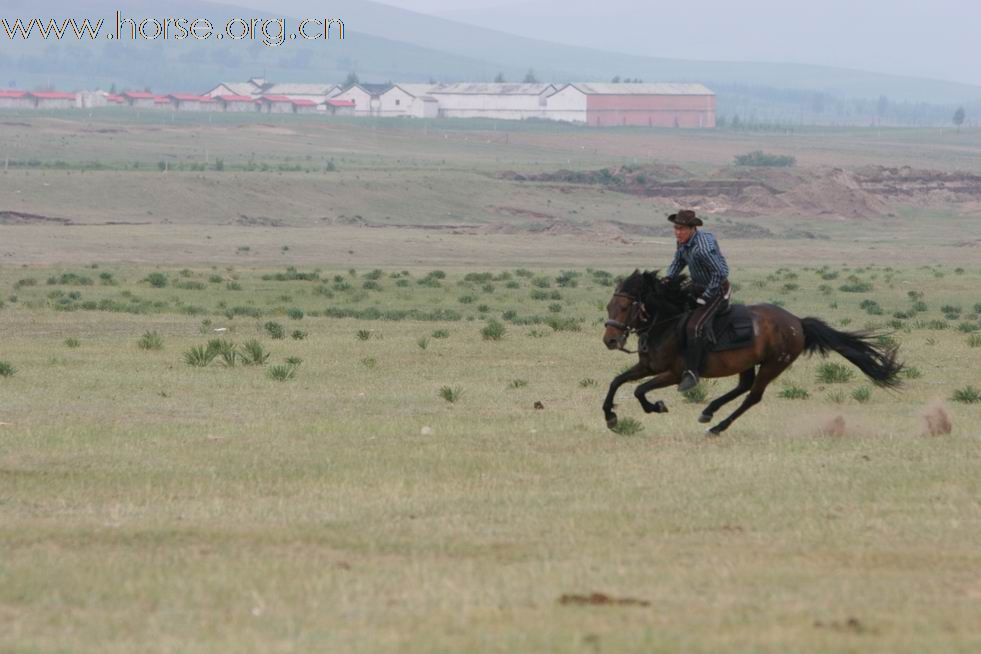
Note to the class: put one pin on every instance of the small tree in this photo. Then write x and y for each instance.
(959, 117)
(616, 79)
(530, 77)
(352, 79)
(499, 79)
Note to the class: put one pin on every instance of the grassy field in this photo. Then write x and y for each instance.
(360, 465)
(152, 505)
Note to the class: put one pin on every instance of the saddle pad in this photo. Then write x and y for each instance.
(733, 329)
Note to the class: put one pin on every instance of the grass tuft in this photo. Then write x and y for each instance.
(450, 394)
(628, 427)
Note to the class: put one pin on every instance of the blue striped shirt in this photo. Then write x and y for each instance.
(705, 262)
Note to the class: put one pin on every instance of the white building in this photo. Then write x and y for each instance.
(499, 100)
(237, 103)
(638, 105)
(253, 88)
(413, 100)
(15, 100)
(188, 102)
(366, 98)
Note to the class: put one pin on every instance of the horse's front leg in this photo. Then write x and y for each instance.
(639, 371)
(660, 380)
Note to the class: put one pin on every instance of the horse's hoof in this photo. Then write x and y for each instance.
(705, 417)
(714, 431)
(611, 421)
(660, 407)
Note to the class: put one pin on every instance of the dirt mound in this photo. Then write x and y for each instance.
(18, 218)
(600, 599)
(756, 191)
(936, 420)
(259, 221)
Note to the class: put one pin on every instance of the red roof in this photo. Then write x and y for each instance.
(235, 98)
(52, 95)
(341, 103)
(139, 95)
(190, 97)
(275, 98)
(12, 94)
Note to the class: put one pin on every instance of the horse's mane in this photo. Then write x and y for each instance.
(672, 295)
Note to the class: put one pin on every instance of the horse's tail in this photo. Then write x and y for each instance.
(878, 363)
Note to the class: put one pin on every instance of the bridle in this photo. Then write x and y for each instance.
(632, 325)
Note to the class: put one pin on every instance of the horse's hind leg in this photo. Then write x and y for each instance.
(660, 380)
(769, 371)
(746, 379)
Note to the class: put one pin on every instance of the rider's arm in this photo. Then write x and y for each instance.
(677, 265)
(710, 257)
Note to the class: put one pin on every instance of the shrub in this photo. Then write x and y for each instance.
(423, 343)
(974, 340)
(968, 327)
(363, 334)
(253, 354)
(856, 287)
(836, 396)
(793, 392)
(760, 158)
(588, 382)
(298, 335)
(862, 394)
(467, 299)
(449, 394)
(696, 395)
(441, 333)
(7, 370)
(275, 330)
(157, 279)
(282, 372)
(967, 395)
(72, 343)
(150, 341)
(189, 286)
(911, 372)
(70, 279)
(627, 427)
(295, 314)
(233, 286)
(199, 356)
(369, 362)
(493, 330)
(834, 373)
(567, 324)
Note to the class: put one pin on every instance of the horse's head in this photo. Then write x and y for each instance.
(625, 311)
(638, 300)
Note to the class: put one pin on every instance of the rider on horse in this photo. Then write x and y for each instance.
(709, 274)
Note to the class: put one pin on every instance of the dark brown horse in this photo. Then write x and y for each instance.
(653, 307)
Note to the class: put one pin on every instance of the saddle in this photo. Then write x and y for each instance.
(730, 329)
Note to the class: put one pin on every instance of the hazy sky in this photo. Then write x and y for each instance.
(925, 38)
(935, 38)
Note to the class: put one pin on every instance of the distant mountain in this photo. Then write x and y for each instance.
(385, 43)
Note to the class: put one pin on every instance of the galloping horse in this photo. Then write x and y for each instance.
(653, 308)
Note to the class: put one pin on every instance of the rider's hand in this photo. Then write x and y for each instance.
(701, 301)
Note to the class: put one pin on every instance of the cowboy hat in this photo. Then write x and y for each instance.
(685, 217)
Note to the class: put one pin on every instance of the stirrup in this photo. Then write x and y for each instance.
(689, 380)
